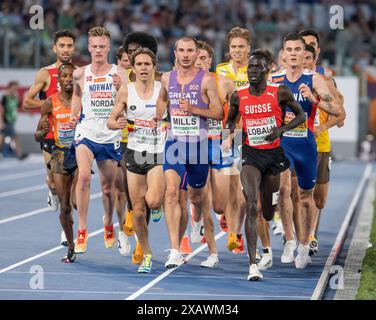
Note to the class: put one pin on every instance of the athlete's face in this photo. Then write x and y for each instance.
(124, 61)
(186, 54)
(204, 60)
(308, 62)
(257, 69)
(312, 41)
(239, 50)
(99, 48)
(143, 67)
(64, 48)
(66, 79)
(294, 52)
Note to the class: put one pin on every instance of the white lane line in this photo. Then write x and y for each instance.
(158, 293)
(168, 272)
(22, 175)
(30, 189)
(38, 211)
(23, 190)
(321, 284)
(45, 253)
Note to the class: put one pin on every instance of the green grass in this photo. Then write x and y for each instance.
(367, 288)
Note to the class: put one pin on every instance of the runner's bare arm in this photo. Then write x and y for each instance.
(286, 99)
(117, 119)
(327, 101)
(216, 110)
(77, 94)
(39, 84)
(162, 101)
(43, 125)
(233, 112)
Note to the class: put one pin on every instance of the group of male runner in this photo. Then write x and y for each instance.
(155, 135)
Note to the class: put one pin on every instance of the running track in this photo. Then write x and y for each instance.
(29, 238)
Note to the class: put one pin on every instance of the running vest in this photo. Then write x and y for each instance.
(226, 70)
(323, 140)
(140, 113)
(98, 100)
(52, 89)
(186, 126)
(260, 114)
(305, 130)
(63, 133)
(215, 126)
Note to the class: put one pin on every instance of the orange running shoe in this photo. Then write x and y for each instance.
(81, 244)
(240, 248)
(128, 226)
(223, 223)
(232, 241)
(185, 245)
(109, 236)
(137, 255)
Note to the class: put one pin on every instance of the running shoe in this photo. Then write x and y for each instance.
(197, 231)
(288, 252)
(156, 215)
(185, 246)
(302, 259)
(109, 236)
(128, 226)
(81, 243)
(63, 239)
(266, 261)
(232, 241)
(278, 227)
(70, 257)
(240, 248)
(313, 245)
(211, 261)
(254, 273)
(174, 260)
(223, 223)
(145, 267)
(137, 254)
(52, 201)
(124, 246)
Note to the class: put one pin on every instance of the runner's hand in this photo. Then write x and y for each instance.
(45, 127)
(73, 122)
(116, 81)
(121, 121)
(307, 93)
(318, 130)
(185, 106)
(275, 134)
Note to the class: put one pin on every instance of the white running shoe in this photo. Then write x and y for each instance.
(254, 273)
(175, 259)
(211, 261)
(288, 252)
(52, 201)
(63, 239)
(266, 261)
(197, 231)
(278, 228)
(303, 258)
(123, 244)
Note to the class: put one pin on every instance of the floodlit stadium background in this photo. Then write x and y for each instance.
(347, 30)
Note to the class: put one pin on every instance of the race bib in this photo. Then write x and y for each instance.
(214, 129)
(65, 134)
(317, 118)
(184, 123)
(102, 103)
(146, 136)
(300, 131)
(258, 129)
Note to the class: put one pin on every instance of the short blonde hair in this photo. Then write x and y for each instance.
(99, 32)
(238, 32)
